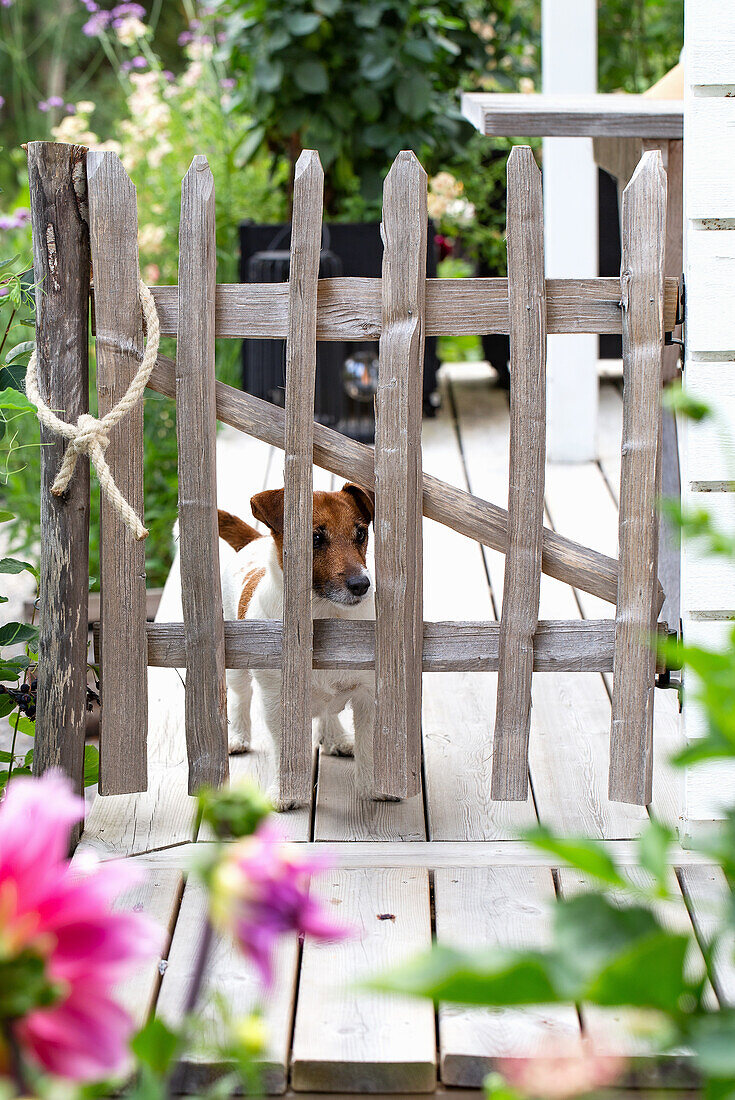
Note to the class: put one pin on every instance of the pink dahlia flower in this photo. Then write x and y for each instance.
(260, 891)
(560, 1070)
(64, 914)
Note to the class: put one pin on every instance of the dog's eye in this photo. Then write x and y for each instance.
(361, 535)
(319, 539)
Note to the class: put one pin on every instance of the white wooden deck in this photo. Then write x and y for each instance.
(447, 863)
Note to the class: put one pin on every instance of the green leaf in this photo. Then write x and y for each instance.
(4, 264)
(303, 22)
(6, 757)
(490, 977)
(13, 565)
(91, 765)
(15, 633)
(11, 398)
(5, 515)
(420, 49)
(25, 725)
(712, 1041)
(23, 348)
(311, 77)
(413, 94)
(328, 7)
(653, 849)
(155, 1045)
(368, 16)
(588, 856)
(268, 74)
(650, 974)
(677, 399)
(11, 670)
(374, 66)
(589, 931)
(6, 705)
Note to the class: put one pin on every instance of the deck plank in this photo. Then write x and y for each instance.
(508, 907)
(347, 1039)
(158, 896)
(230, 976)
(706, 893)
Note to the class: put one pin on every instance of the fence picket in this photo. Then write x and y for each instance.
(396, 748)
(527, 301)
(206, 720)
(113, 222)
(642, 277)
(306, 232)
(61, 272)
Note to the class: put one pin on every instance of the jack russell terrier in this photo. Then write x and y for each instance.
(252, 588)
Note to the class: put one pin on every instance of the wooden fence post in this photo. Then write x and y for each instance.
(642, 278)
(396, 749)
(521, 588)
(196, 425)
(58, 193)
(113, 222)
(306, 234)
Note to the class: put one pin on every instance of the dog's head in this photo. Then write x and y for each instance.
(341, 522)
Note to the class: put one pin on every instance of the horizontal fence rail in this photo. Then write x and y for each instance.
(350, 308)
(558, 646)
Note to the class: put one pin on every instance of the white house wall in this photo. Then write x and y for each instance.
(708, 583)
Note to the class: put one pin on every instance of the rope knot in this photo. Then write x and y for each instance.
(90, 433)
(91, 436)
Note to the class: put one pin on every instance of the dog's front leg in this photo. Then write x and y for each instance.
(363, 713)
(273, 715)
(239, 697)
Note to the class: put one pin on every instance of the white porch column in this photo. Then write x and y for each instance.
(569, 62)
(708, 473)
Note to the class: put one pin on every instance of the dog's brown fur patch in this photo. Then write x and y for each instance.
(235, 531)
(251, 582)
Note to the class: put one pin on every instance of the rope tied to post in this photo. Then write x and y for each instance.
(91, 436)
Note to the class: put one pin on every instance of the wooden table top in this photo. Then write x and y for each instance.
(539, 115)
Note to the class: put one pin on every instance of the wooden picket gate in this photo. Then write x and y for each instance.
(80, 216)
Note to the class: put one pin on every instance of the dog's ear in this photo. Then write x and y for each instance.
(235, 530)
(268, 508)
(364, 500)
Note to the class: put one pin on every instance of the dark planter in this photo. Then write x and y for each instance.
(351, 249)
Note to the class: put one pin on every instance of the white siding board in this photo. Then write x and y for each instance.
(710, 135)
(710, 283)
(708, 580)
(710, 41)
(710, 443)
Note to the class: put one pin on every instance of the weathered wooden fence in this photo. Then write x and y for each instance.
(79, 215)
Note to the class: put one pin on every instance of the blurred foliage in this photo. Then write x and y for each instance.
(359, 81)
(638, 42)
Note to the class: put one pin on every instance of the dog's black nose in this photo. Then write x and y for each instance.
(358, 585)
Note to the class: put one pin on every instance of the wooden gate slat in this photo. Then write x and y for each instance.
(306, 232)
(113, 222)
(58, 196)
(527, 300)
(196, 425)
(396, 749)
(642, 277)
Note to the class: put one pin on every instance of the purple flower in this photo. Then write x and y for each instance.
(123, 10)
(43, 106)
(97, 24)
(91, 6)
(6, 3)
(55, 101)
(168, 75)
(2, 101)
(228, 83)
(70, 109)
(139, 63)
(260, 892)
(16, 220)
(185, 38)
